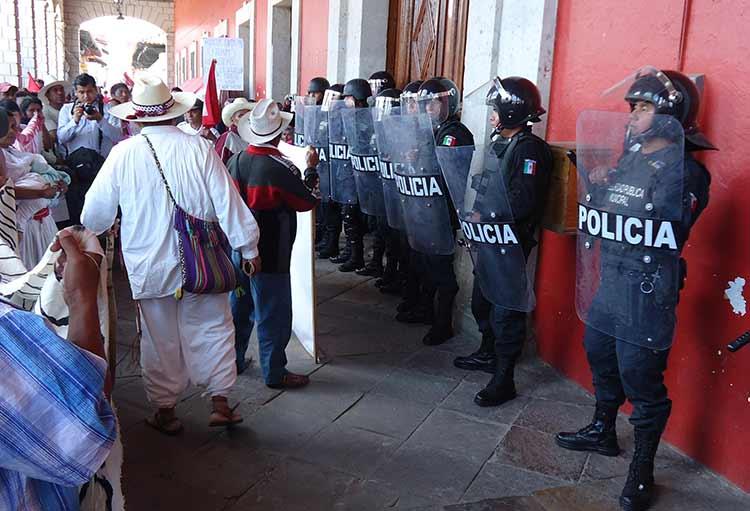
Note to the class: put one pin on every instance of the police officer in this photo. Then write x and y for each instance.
(355, 93)
(315, 90)
(380, 81)
(333, 215)
(632, 366)
(524, 162)
(440, 99)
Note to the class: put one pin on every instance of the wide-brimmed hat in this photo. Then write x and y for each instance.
(264, 123)
(232, 108)
(152, 101)
(50, 82)
(5, 87)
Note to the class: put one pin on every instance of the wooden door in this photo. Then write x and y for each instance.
(427, 38)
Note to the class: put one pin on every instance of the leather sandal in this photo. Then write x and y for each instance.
(290, 381)
(223, 417)
(170, 426)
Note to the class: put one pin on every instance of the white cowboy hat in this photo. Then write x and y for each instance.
(153, 102)
(264, 123)
(232, 108)
(50, 82)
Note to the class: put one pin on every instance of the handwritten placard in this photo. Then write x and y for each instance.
(230, 61)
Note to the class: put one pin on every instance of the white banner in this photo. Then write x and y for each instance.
(230, 61)
(302, 266)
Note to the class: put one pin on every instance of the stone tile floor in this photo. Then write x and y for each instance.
(386, 424)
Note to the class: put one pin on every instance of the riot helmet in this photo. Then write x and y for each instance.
(316, 89)
(438, 97)
(359, 90)
(409, 97)
(516, 100)
(674, 94)
(380, 81)
(386, 101)
(332, 94)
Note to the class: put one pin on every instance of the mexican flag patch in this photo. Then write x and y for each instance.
(529, 167)
(449, 140)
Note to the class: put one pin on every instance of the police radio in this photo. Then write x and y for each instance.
(739, 342)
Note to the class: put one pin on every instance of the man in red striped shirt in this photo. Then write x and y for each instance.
(274, 191)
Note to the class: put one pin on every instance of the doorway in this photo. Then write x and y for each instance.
(427, 38)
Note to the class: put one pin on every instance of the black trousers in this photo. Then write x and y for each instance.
(353, 226)
(623, 370)
(508, 327)
(438, 279)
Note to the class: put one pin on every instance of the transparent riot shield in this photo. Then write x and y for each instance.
(343, 187)
(427, 218)
(363, 151)
(385, 142)
(316, 136)
(300, 102)
(631, 210)
(476, 180)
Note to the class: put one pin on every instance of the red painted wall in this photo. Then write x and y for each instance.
(599, 43)
(313, 51)
(193, 17)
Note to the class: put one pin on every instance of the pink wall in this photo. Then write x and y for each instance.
(193, 17)
(313, 50)
(599, 43)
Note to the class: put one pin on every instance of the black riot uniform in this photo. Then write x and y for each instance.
(354, 226)
(387, 240)
(333, 215)
(316, 89)
(525, 163)
(623, 366)
(439, 284)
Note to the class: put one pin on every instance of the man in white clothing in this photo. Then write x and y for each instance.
(193, 123)
(187, 340)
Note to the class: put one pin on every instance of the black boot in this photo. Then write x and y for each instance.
(356, 261)
(639, 488)
(342, 256)
(322, 240)
(483, 359)
(501, 387)
(371, 269)
(331, 247)
(600, 436)
(442, 329)
(417, 314)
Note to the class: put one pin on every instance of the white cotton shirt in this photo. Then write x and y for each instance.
(201, 186)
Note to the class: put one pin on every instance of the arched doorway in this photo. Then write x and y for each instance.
(113, 49)
(156, 12)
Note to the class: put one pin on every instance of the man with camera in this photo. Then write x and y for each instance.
(86, 122)
(85, 133)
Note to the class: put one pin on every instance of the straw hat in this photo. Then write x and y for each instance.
(153, 102)
(50, 82)
(232, 108)
(264, 123)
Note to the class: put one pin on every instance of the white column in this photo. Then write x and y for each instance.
(357, 38)
(509, 38)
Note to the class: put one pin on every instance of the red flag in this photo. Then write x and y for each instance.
(32, 85)
(211, 109)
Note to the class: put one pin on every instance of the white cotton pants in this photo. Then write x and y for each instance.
(186, 341)
(36, 238)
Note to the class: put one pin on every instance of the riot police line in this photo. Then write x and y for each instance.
(400, 164)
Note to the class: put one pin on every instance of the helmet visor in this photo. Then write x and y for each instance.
(384, 106)
(647, 84)
(329, 97)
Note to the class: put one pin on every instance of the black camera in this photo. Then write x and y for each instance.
(90, 109)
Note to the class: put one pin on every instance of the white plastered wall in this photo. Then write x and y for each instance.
(357, 38)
